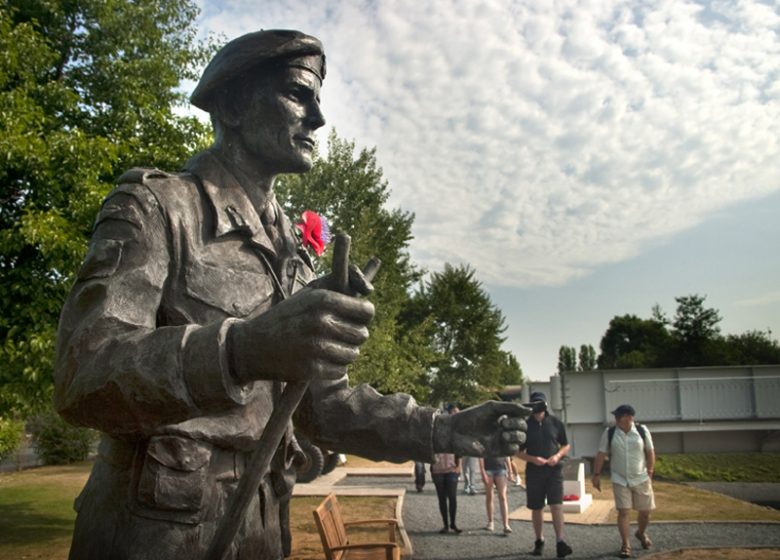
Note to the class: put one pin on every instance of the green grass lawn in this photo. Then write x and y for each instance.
(36, 511)
(729, 467)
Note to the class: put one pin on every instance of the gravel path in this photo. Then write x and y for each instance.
(422, 521)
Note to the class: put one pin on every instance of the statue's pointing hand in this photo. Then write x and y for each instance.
(493, 428)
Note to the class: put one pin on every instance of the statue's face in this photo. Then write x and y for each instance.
(277, 127)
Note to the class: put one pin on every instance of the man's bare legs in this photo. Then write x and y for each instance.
(557, 519)
(643, 520)
(537, 518)
(624, 526)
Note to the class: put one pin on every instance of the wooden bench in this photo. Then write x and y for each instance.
(336, 543)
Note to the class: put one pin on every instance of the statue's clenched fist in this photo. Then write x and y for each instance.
(315, 334)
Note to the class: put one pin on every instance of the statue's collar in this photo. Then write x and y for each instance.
(233, 211)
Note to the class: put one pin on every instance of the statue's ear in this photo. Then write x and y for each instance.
(226, 110)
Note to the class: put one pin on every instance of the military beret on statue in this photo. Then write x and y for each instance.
(254, 50)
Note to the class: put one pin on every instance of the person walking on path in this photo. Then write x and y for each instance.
(419, 475)
(445, 472)
(514, 474)
(494, 473)
(470, 466)
(546, 445)
(629, 447)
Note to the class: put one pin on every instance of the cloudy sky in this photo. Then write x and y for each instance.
(588, 159)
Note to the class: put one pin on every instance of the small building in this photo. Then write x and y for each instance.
(695, 409)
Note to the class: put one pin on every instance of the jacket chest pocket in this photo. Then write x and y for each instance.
(236, 290)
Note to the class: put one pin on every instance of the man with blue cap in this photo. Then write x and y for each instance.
(629, 447)
(196, 306)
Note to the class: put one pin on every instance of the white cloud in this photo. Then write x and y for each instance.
(538, 140)
(761, 300)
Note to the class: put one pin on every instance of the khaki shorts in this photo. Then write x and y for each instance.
(640, 497)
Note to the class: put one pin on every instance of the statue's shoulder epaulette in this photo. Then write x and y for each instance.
(142, 175)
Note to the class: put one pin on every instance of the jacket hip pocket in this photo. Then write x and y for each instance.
(172, 479)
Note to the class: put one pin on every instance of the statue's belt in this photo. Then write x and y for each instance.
(224, 464)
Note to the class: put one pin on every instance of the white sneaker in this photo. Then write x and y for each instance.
(518, 481)
(507, 529)
(489, 526)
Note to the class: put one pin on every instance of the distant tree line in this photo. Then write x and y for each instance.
(691, 338)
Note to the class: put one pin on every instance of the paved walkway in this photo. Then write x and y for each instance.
(590, 540)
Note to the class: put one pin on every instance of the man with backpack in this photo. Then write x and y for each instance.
(629, 447)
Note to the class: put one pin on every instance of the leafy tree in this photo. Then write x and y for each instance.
(11, 434)
(348, 188)
(499, 369)
(567, 359)
(58, 443)
(695, 333)
(464, 329)
(631, 342)
(751, 348)
(587, 358)
(87, 89)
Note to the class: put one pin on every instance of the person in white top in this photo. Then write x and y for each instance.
(629, 447)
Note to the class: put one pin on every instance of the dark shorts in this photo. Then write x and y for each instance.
(543, 483)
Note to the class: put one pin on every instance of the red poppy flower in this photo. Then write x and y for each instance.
(315, 231)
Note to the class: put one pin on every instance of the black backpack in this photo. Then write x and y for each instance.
(639, 428)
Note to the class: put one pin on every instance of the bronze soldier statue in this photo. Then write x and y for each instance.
(195, 305)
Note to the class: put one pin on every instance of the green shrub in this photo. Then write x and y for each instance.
(11, 433)
(58, 443)
(694, 474)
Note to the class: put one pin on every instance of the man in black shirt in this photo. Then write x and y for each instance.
(546, 445)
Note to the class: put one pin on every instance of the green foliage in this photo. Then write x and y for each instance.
(567, 359)
(752, 347)
(11, 434)
(464, 330)
(695, 334)
(58, 443)
(87, 89)
(692, 338)
(729, 467)
(349, 190)
(587, 358)
(631, 342)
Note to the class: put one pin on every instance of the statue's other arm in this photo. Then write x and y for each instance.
(116, 369)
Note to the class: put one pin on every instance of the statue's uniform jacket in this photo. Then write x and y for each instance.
(141, 356)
